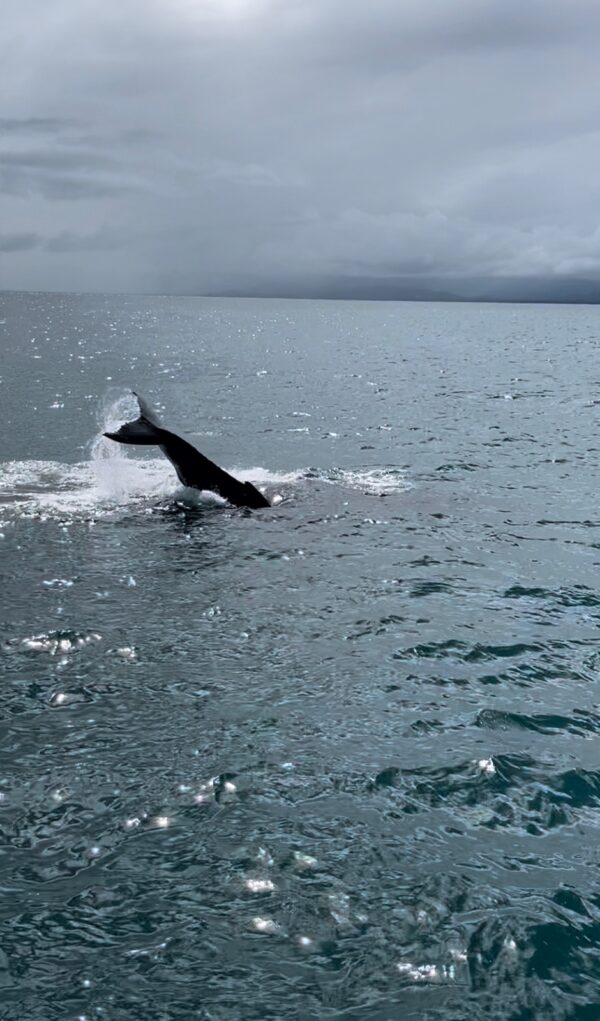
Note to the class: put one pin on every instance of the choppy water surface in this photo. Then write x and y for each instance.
(334, 760)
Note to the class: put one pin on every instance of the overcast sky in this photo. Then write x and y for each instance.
(196, 145)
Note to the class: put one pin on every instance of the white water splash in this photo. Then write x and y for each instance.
(111, 482)
(50, 490)
(118, 477)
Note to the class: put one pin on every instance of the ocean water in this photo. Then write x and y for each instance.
(337, 759)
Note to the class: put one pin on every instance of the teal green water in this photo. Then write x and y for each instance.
(333, 760)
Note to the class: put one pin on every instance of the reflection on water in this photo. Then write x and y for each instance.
(333, 760)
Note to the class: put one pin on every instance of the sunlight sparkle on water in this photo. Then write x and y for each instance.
(160, 822)
(421, 972)
(126, 652)
(304, 861)
(259, 885)
(266, 925)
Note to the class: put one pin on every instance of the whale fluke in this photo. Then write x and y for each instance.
(193, 468)
(146, 412)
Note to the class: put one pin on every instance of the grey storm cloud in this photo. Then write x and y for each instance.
(22, 242)
(215, 144)
(32, 125)
(61, 173)
(100, 241)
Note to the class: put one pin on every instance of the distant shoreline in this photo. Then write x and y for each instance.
(560, 292)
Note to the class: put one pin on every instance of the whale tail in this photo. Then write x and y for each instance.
(146, 429)
(193, 468)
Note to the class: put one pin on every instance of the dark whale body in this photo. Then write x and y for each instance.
(193, 468)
